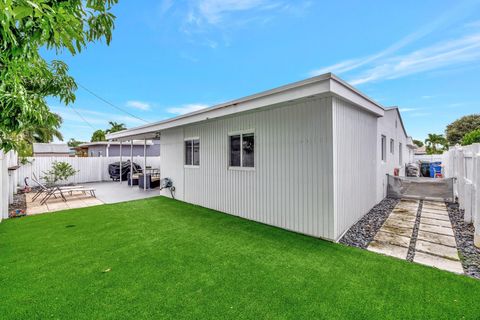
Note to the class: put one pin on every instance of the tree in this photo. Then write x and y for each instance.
(60, 171)
(72, 143)
(418, 143)
(115, 127)
(26, 79)
(436, 143)
(471, 137)
(98, 135)
(460, 127)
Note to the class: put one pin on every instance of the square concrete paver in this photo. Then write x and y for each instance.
(436, 211)
(437, 249)
(437, 238)
(436, 229)
(388, 249)
(438, 262)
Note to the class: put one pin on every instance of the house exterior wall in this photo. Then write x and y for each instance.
(291, 185)
(355, 161)
(390, 126)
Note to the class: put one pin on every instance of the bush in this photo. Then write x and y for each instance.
(60, 171)
(471, 137)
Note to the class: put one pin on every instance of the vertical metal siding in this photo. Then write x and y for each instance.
(355, 163)
(291, 184)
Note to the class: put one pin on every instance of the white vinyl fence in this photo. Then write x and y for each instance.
(428, 157)
(90, 169)
(8, 181)
(463, 163)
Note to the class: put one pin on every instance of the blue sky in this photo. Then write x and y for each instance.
(169, 57)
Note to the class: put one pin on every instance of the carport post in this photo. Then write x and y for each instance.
(131, 163)
(120, 161)
(144, 164)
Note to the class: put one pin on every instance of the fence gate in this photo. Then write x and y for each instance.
(420, 188)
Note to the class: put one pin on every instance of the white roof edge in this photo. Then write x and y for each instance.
(324, 83)
(101, 143)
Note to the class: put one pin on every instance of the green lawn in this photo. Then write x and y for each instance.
(168, 259)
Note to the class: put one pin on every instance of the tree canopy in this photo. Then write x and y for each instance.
(98, 135)
(26, 79)
(471, 137)
(418, 143)
(460, 127)
(436, 143)
(115, 127)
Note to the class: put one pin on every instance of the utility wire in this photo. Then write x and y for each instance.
(109, 103)
(84, 120)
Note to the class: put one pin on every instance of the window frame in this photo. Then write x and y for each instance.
(241, 133)
(392, 146)
(191, 139)
(383, 148)
(400, 154)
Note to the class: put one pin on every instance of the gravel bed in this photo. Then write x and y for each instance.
(19, 202)
(413, 239)
(363, 232)
(469, 254)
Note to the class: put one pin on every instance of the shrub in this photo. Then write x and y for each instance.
(60, 171)
(471, 137)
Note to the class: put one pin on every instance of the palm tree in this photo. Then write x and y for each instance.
(98, 135)
(115, 127)
(45, 134)
(436, 143)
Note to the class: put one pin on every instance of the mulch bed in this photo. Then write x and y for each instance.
(363, 232)
(469, 254)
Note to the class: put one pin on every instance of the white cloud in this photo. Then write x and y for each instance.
(186, 108)
(407, 109)
(443, 21)
(140, 105)
(443, 54)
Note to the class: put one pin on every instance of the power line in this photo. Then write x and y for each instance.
(109, 103)
(84, 120)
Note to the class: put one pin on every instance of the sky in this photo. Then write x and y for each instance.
(171, 57)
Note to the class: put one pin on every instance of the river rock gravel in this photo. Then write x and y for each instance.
(469, 254)
(363, 232)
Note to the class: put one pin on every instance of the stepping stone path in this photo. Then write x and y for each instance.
(424, 236)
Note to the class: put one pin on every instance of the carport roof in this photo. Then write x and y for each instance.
(323, 84)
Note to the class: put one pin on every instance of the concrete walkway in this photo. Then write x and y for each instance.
(424, 236)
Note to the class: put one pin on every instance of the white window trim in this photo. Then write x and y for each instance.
(392, 146)
(241, 133)
(190, 166)
(383, 148)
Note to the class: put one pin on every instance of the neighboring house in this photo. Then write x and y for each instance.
(308, 156)
(51, 150)
(112, 149)
(421, 151)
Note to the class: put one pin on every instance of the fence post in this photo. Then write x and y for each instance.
(3, 186)
(476, 198)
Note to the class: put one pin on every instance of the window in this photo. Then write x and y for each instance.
(192, 152)
(400, 155)
(392, 146)
(384, 148)
(242, 150)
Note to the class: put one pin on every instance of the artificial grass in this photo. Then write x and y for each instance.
(160, 258)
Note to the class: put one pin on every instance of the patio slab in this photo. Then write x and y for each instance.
(435, 216)
(436, 229)
(437, 238)
(392, 238)
(388, 249)
(437, 249)
(435, 222)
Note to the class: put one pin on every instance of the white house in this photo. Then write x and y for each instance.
(309, 156)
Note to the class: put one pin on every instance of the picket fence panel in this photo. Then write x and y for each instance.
(90, 169)
(464, 165)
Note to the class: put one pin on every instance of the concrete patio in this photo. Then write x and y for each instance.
(106, 192)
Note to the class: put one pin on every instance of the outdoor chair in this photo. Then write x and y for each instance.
(57, 190)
